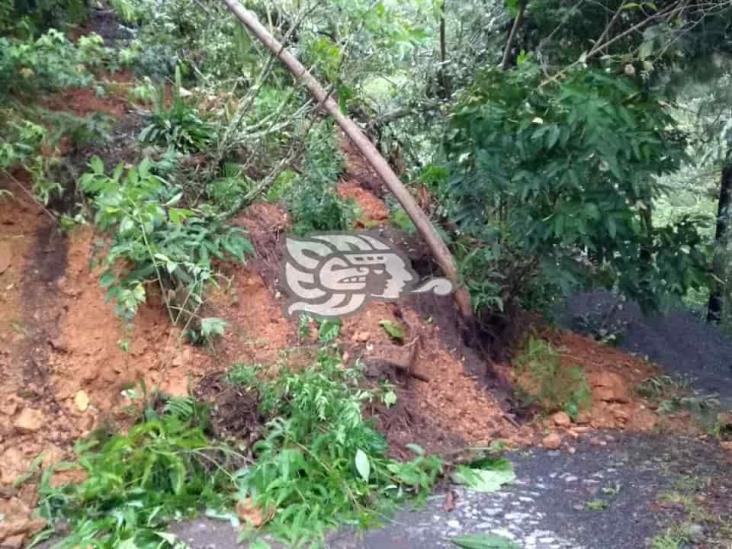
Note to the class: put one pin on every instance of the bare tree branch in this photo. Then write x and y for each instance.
(512, 36)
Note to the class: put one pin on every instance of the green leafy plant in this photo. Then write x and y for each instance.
(29, 17)
(19, 141)
(484, 475)
(549, 383)
(164, 467)
(143, 92)
(314, 204)
(484, 541)
(47, 63)
(562, 176)
(154, 242)
(699, 405)
(328, 330)
(227, 192)
(399, 218)
(180, 126)
(283, 183)
(321, 463)
(394, 330)
(662, 386)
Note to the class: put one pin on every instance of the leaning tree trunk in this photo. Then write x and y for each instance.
(716, 296)
(425, 228)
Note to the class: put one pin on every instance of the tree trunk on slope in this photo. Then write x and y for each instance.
(425, 228)
(716, 297)
(442, 73)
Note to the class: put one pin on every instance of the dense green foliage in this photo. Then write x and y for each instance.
(178, 126)
(314, 203)
(566, 174)
(319, 463)
(156, 241)
(558, 145)
(164, 467)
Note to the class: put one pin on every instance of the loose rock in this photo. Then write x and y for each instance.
(81, 401)
(29, 420)
(561, 419)
(552, 441)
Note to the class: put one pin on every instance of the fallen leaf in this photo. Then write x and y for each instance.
(488, 478)
(484, 541)
(395, 331)
(362, 464)
(448, 503)
(250, 513)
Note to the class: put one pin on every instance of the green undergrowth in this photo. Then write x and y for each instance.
(672, 395)
(317, 464)
(30, 135)
(314, 203)
(162, 468)
(546, 382)
(156, 240)
(321, 463)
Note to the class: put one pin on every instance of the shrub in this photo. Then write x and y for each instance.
(164, 467)
(565, 172)
(321, 463)
(45, 64)
(315, 204)
(228, 191)
(153, 241)
(179, 126)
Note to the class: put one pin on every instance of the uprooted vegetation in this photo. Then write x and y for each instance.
(151, 158)
(304, 461)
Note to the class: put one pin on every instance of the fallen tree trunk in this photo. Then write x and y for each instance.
(425, 228)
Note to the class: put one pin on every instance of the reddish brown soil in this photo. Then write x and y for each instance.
(258, 331)
(359, 171)
(62, 366)
(30, 419)
(612, 376)
(84, 102)
(372, 209)
(446, 407)
(88, 352)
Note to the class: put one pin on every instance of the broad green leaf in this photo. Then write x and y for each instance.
(395, 331)
(363, 466)
(329, 330)
(96, 165)
(482, 480)
(484, 541)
